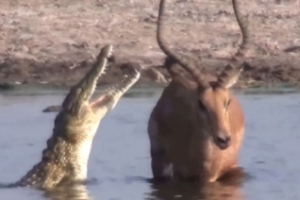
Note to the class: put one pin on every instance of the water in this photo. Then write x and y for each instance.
(120, 161)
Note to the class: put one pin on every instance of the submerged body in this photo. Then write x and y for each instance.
(197, 126)
(66, 156)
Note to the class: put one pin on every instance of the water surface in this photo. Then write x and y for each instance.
(120, 161)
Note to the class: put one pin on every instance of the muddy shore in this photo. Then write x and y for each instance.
(46, 43)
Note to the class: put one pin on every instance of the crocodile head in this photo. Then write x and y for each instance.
(78, 102)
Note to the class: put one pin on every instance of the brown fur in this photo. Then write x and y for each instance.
(197, 126)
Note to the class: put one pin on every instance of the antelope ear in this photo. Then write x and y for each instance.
(230, 76)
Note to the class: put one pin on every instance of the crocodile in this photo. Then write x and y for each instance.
(65, 159)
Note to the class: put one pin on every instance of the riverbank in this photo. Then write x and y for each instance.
(261, 72)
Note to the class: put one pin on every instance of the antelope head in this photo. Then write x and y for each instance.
(214, 104)
(214, 98)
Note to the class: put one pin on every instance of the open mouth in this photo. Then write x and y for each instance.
(131, 75)
(84, 89)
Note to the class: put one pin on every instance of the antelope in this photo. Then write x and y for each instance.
(197, 127)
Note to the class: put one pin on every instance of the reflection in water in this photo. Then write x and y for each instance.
(228, 188)
(70, 192)
(190, 191)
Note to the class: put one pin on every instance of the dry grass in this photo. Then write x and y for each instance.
(41, 29)
(65, 30)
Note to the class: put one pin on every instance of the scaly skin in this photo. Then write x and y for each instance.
(66, 156)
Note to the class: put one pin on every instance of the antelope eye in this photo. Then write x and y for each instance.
(227, 103)
(201, 105)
